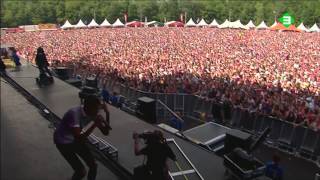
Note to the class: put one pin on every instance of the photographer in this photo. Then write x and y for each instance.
(42, 62)
(157, 152)
(72, 132)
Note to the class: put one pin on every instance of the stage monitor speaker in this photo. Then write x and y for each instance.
(236, 138)
(62, 72)
(146, 109)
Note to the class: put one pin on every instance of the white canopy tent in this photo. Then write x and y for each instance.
(314, 28)
(237, 25)
(262, 25)
(105, 23)
(152, 23)
(302, 27)
(80, 24)
(93, 23)
(67, 25)
(274, 24)
(202, 23)
(250, 25)
(214, 23)
(118, 23)
(190, 23)
(225, 24)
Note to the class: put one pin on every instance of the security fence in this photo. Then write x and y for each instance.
(195, 110)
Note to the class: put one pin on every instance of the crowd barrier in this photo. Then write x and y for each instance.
(284, 135)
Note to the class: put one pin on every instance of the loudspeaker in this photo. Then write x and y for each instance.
(146, 109)
(62, 72)
(236, 138)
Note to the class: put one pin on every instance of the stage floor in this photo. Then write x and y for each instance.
(61, 96)
(27, 148)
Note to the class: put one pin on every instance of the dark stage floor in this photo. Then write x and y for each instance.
(27, 149)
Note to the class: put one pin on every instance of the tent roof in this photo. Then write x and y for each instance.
(314, 28)
(80, 24)
(202, 23)
(135, 24)
(105, 23)
(274, 24)
(67, 25)
(93, 23)
(190, 23)
(262, 25)
(279, 26)
(237, 24)
(250, 24)
(214, 23)
(118, 23)
(174, 24)
(302, 27)
(293, 28)
(225, 24)
(154, 22)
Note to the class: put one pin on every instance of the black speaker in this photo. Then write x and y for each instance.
(62, 72)
(146, 109)
(236, 138)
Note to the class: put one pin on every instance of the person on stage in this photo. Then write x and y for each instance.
(42, 62)
(71, 135)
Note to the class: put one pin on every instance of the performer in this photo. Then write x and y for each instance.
(72, 132)
(42, 62)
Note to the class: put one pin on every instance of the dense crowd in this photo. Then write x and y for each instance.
(273, 73)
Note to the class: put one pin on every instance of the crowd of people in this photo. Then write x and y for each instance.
(273, 73)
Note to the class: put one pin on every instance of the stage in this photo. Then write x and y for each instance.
(60, 96)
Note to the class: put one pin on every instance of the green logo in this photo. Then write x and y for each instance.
(286, 19)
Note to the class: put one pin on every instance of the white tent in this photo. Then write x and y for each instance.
(202, 23)
(262, 25)
(93, 23)
(118, 23)
(190, 23)
(67, 25)
(237, 25)
(250, 25)
(214, 23)
(225, 24)
(80, 24)
(314, 28)
(302, 27)
(274, 24)
(153, 24)
(105, 23)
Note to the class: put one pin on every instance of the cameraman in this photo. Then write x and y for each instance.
(157, 152)
(42, 62)
(71, 134)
